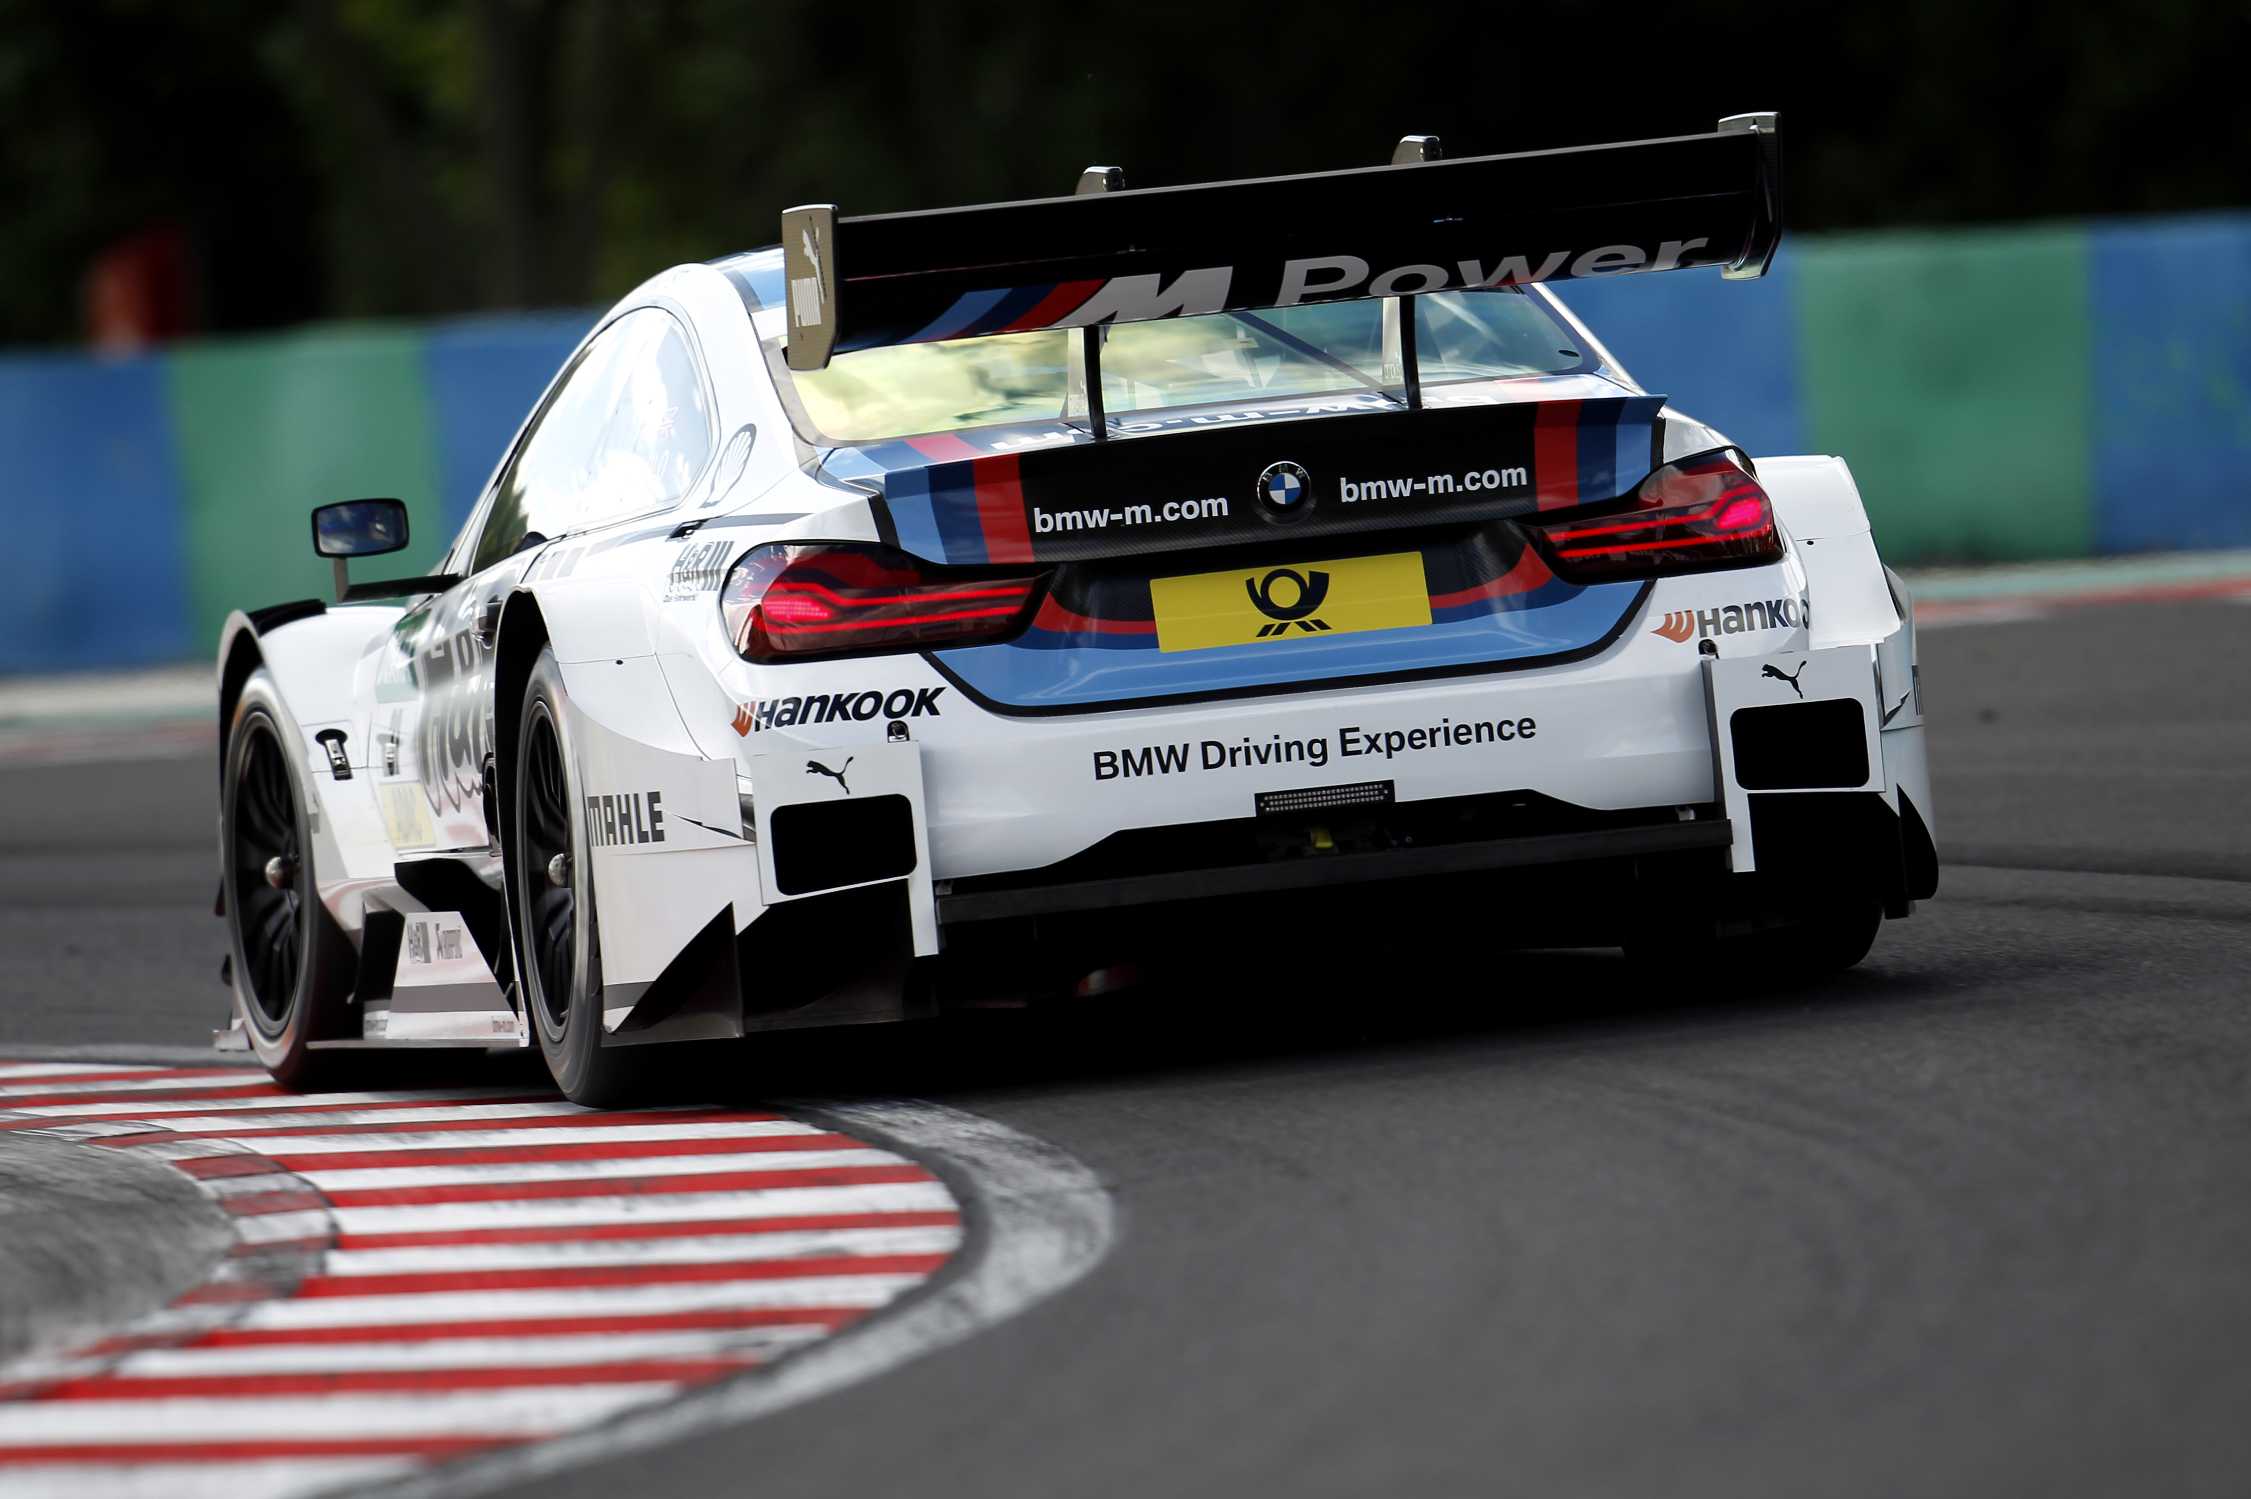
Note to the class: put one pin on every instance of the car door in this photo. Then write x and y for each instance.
(434, 711)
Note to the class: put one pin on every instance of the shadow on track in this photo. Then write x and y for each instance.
(1245, 1014)
(1420, 992)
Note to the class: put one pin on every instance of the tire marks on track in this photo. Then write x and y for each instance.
(419, 1277)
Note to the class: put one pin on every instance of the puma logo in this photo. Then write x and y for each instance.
(816, 768)
(1791, 677)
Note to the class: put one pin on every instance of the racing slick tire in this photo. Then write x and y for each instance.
(1811, 944)
(1814, 945)
(291, 964)
(558, 932)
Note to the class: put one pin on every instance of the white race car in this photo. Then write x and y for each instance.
(969, 600)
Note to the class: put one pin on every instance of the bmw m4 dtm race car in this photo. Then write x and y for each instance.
(975, 597)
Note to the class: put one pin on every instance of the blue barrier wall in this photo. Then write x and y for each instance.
(94, 570)
(2172, 384)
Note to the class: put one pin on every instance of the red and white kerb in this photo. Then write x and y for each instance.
(419, 1276)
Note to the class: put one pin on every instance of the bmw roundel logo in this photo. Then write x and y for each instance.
(1285, 489)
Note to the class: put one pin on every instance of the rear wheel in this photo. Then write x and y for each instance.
(1814, 945)
(558, 935)
(1810, 944)
(292, 966)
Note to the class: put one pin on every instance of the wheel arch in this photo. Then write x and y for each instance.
(583, 620)
(1818, 503)
(311, 651)
(522, 635)
(240, 654)
(238, 658)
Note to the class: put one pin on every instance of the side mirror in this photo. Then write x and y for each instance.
(367, 528)
(359, 528)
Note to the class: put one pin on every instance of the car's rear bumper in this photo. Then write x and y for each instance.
(1004, 899)
(1655, 775)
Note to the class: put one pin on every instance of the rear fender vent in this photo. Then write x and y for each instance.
(827, 845)
(1800, 746)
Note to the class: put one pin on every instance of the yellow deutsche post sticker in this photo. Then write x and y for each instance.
(406, 814)
(1245, 605)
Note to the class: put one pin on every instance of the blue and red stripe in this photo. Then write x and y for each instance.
(1008, 309)
(1586, 452)
(964, 508)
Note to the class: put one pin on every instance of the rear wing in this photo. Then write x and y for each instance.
(1423, 226)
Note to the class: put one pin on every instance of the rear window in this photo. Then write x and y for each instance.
(1223, 359)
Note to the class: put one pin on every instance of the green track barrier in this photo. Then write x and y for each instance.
(1951, 371)
(267, 428)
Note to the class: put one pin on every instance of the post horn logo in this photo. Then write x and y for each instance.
(1289, 597)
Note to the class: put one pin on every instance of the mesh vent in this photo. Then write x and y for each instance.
(1325, 798)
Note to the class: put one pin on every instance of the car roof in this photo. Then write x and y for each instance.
(755, 274)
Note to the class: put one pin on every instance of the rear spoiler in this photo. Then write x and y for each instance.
(1131, 256)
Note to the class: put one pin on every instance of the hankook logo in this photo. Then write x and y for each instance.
(1733, 619)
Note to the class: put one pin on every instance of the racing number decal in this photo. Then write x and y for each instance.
(1245, 605)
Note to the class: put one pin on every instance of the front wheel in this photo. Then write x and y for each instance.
(558, 935)
(292, 966)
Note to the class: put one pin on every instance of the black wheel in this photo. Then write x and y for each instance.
(292, 966)
(1809, 944)
(1818, 943)
(558, 937)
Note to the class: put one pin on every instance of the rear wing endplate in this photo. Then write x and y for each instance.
(1421, 226)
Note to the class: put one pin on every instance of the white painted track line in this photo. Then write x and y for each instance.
(470, 1413)
(670, 1208)
(512, 1306)
(682, 1251)
(271, 1478)
(370, 1179)
(459, 1353)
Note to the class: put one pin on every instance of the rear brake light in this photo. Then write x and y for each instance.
(1696, 514)
(787, 603)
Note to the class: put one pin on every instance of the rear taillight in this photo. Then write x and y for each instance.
(1699, 513)
(787, 603)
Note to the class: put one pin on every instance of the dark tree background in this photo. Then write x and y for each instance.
(324, 158)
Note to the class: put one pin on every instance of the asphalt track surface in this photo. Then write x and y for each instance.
(1975, 1218)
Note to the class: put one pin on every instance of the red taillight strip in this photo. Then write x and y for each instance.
(1616, 548)
(900, 621)
(1648, 518)
(789, 601)
(806, 585)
